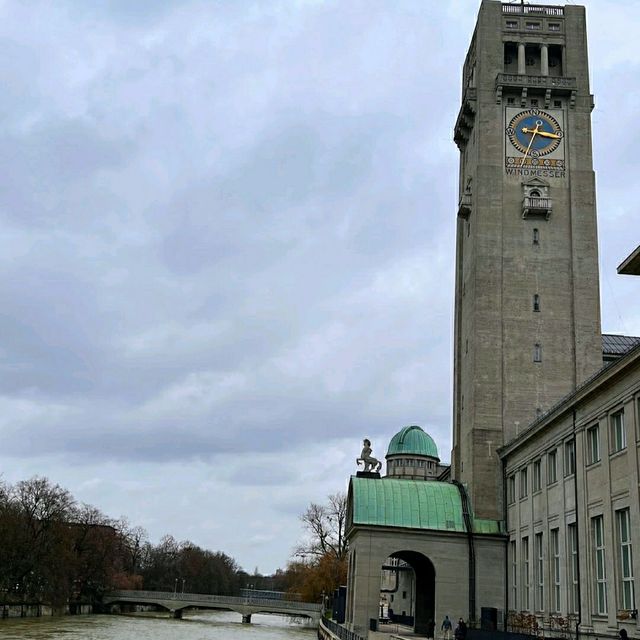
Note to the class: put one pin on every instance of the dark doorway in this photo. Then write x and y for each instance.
(425, 588)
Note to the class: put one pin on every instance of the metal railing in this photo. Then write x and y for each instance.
(340, 631)
(538, 204)
(533, 10)
(546, 82)
(213, 599)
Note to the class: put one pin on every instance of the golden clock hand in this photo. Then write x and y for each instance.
(526, 153)
(544, 134)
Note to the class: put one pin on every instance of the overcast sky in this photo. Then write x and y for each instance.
(227, 246)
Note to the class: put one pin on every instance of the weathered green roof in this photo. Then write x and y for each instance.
(414, 504)
(482, 525)
(412, 440)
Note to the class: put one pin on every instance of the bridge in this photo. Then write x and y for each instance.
(176, 603)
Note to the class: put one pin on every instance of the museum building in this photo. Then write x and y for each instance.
(537, 520)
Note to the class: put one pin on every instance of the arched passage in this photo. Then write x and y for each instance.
(425, 588)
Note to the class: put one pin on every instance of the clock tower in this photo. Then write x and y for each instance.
(527, 309)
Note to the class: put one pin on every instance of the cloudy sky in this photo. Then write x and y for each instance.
(227, 243)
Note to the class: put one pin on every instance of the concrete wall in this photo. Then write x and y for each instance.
(370, 547)
(597, 488)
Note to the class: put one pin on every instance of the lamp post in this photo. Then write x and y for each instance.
(183, 581)
(175, 587)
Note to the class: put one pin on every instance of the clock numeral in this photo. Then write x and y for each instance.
(510, 131)
(535, 112)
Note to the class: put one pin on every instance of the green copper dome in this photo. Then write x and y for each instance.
(412, 440)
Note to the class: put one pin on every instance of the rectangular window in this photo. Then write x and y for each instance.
(557, 104)
(536, 236)
(525, 573)
(555, 570)
(573, 568)
(536, 302)
(511, 489)
(537, 352)
(618, 436)
(569, 457)
(514, 575)
(534, 102)
(554, 26)
(552, 466)
(600, 573)
(625, 559)
(593, 444)
(524, 483)
(532, 26)
(511, 100)
(539, 572)
(537, 475)
(513, 24)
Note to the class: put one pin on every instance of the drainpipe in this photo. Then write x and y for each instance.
(472, 553)
(506, 546)
(575, 490)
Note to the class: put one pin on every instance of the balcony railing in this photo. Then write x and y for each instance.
(533, 10)
(534, 206)
(565, 83)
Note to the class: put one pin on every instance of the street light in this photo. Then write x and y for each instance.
(183, 581)
(175, 587)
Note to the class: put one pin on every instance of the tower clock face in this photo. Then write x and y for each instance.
(534, 142)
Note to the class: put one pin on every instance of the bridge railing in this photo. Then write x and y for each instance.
(338, 630)
(213, 599)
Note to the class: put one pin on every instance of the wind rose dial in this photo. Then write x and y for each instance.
(534, 133)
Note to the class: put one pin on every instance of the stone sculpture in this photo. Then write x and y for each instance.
(370, 463)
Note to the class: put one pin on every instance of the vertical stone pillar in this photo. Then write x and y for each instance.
(544, 59)
(522, 64)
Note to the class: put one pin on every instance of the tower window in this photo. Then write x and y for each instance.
(536, 302)
(557, 103)
(537, 352)
(536, 236)
(511, 100)
(513, 24)
(532, 26)
(554, 26)
(466, 345)
(534, 102)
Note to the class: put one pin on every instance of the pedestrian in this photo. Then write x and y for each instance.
(431, 629)
(623, 634)
(446, 628)
(461, 630)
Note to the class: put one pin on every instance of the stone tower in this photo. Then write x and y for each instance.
(527, 310)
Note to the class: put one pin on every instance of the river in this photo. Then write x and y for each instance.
(200, 625)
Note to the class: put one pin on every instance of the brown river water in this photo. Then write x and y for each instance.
(200, 625)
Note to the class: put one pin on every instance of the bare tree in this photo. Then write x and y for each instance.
(325, 525)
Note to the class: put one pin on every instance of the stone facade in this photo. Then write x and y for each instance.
(572, 485)
(527, 318)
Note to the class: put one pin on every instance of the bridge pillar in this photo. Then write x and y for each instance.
(246, 618)
(177, 614)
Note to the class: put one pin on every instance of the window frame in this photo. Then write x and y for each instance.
(601, 606)
(625, 551)
(593, 444)
(552, 466)
(536, 476)
(555, 605)
(617, 431)
(569, 457)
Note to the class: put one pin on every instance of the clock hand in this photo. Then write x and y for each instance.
(526, 153)
(544, 134)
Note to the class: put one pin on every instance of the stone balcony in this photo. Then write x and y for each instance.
(533, 206)
(464, 206)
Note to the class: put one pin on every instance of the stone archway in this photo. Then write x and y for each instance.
(425, 588)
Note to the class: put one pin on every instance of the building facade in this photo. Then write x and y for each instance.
(527, 317)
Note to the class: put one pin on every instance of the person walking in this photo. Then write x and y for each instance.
(446, 628)
(461, 630)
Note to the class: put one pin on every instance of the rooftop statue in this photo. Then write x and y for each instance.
(370, 463)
